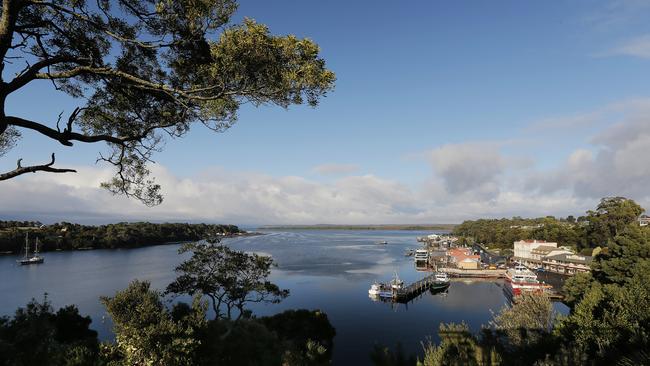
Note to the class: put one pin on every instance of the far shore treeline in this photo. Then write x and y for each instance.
(68, 236)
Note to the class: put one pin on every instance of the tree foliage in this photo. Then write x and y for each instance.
(624, 251)
(36, 335)
(612, 215)
(458, 346)
(146, 333)
(575, 287)
(230, 279)
(144, 71)
(526, 323)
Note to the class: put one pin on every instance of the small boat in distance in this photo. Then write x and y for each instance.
(382, 242)
(34, 258)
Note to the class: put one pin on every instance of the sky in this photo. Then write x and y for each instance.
(442, 112)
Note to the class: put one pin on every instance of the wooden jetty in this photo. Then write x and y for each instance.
(407, 293)
(474, 273)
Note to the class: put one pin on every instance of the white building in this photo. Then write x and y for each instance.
(568, 264)
(644, 220)
(523, 248)
(542, 251)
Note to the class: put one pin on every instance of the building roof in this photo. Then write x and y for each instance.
(438, 253)
(571, 258)
(535, 241)
(544, 249)
(470, 259)
(459, 251)
(463, 254)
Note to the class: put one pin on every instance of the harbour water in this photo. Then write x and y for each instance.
(329, 270)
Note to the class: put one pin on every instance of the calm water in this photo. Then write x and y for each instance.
(327, 270)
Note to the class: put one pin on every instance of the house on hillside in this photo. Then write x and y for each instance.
(644, 220)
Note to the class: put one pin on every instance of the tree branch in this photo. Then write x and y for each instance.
(32, 72)
(137, 82)
(67, 135)
(33, 169)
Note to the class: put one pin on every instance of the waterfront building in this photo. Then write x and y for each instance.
(523, 251)
(542, 251)
(568, 264)
(550, 257)
(463, 258)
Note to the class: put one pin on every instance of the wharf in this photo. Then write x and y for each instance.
(407, 293)
(474, 273)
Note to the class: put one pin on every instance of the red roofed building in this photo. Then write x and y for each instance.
(464, 258)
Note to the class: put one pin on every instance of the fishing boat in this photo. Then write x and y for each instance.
(440, 282)
(522, 280)
(386, 290)
(34, 258)
(441, 277)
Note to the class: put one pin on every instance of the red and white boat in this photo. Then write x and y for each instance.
(520, 279)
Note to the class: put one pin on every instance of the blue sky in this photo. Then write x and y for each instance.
(424, 90)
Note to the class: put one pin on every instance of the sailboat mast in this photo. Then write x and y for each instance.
(26, 245)
(36, 247)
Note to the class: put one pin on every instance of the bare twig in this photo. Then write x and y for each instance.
(33, 169)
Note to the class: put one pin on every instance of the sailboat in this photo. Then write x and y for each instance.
(34, 258)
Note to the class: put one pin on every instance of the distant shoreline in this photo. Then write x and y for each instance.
(446, 227)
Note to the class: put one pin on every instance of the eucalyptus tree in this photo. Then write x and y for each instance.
(143, 71)
(231, 279)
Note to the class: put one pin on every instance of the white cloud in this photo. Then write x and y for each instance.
(469, 168)
(336, 169)
(617, 164)
(215, 195)
(637, 47)
(218, 195)
(468, 180)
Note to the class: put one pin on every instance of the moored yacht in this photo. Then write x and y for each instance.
(34, 258)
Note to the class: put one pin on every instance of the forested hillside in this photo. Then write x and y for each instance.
(593, 229)
(68, 236)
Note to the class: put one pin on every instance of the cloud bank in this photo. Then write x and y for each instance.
(465, 181)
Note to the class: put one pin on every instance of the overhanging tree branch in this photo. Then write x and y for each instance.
(20, 170)
(66, 136)
(144, 70)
